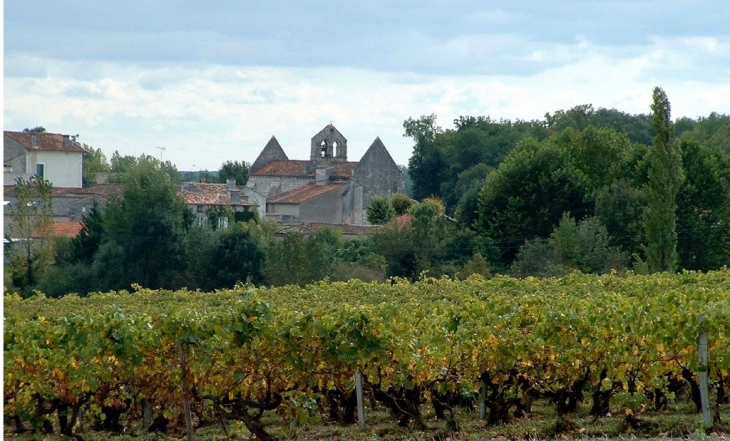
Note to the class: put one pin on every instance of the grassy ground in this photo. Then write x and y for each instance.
(680, 422)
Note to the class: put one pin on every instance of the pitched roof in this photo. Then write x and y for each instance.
(299, 168)
(303, 193)
(49, 142)
(103, 190)
(195, 193)
(283, 168)
(308, 228)
(271, 152)
(63, 229)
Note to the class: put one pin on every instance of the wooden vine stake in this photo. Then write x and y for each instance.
(146, 414)
(186, 392)
(704, 383)
(483, 401)
(360, 402)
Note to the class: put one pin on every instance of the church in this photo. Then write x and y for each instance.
(327, 188)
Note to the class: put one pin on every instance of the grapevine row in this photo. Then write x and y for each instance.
(242, 352)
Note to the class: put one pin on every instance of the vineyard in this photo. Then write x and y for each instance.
(186, 359)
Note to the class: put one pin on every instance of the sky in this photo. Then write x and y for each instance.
(203, 82)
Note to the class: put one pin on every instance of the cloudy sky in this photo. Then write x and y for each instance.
(211, 81)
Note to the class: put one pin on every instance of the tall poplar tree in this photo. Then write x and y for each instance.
(665, 179)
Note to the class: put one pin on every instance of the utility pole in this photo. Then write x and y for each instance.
(161, 149)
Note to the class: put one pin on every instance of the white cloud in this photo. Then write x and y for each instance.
(205, 114)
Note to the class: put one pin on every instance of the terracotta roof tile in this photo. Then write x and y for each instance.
(205, 188)
(282, 168)
(299, 168)
(104, 190)
(64, 229)
(197, 193)
(51, 142)
(303, 193)
(308, 228)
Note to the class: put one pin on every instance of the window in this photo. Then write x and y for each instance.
(40, 170)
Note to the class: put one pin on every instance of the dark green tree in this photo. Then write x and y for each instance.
(665, 180)
(427, 164)
(144, 227)
(583, 246)
(87, 242)
(296, 260)
(620, 207)
(379, 211)
(703, 208)
(237, 170)
(238, 257)
(527, 195)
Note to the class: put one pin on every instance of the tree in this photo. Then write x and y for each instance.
(379, 211)
(427, 163)
(38, 129)
(665, 179)
(146, 225)
(31, 223)
(620, 207)
(87, 242)
(703, 208)
(583, 246)
(401, 204)
(527, 195)
(95, 162)
(238, 257)
(297, 260)
(234, 170)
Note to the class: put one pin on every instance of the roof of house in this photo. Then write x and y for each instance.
(299, 168)
(103, 190)
(200, 193)
(308, 228)
(303, 193)
(49, 142)
(63, 229)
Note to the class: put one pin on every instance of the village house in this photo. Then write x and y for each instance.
(216, 202)
(54, 157)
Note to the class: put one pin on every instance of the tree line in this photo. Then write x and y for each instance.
(583, 189)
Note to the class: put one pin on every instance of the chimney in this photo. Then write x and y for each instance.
(33, 142)
(231, 183)
(322, 174)
(66, 141)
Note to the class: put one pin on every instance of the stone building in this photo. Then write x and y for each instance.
(326, 188)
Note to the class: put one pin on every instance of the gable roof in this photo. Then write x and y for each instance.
(303, 193)
(48, 142)
(271, 152)
(377, 149)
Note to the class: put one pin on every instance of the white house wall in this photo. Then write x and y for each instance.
(62, 169)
